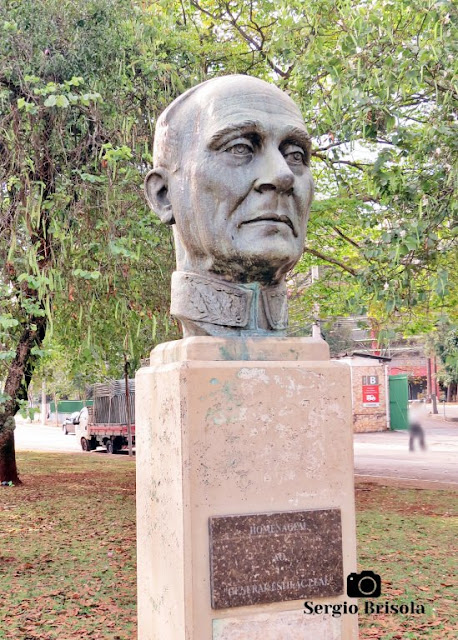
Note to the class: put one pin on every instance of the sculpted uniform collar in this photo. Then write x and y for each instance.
(205, 300)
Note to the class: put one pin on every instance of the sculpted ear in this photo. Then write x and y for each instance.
(157, 194)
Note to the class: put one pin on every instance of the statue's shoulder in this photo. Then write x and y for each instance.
(206, 299)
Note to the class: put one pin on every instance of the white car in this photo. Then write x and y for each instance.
(68, 425)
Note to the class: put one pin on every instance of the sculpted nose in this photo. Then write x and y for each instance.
(275, 174)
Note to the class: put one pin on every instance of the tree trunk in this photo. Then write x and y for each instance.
(8, 468)
(428, 380)
(434, 386)
(43, 403)
(56, 411)
(16, 389)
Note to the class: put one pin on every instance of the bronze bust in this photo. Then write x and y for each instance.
(231, 174)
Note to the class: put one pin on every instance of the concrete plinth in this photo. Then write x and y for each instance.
(227, 427)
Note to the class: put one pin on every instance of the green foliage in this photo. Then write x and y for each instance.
(443, 341)
(28, 412)
(339, 338)
(382, 101)
(81, 84)
(377, 84)
(80, 87)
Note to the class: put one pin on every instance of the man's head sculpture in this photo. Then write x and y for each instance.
(231, 174)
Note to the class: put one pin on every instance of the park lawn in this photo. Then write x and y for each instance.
(67, 553)
(409, 537)
(67, 549)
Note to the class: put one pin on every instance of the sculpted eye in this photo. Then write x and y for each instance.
(294, 154)
(296, 157)
(240, 149)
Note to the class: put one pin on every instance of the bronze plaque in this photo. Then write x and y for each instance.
(272, 557)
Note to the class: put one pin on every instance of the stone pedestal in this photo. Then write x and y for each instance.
(257, 427)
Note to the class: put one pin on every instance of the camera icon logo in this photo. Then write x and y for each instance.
(366, 584)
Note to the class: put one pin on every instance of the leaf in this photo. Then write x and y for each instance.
(411, 243)
(7, 322)
(62, 101)
(75, 81)
(87, 275)
(38, 352)
(118, 249)
(50, 101)
(7, 355)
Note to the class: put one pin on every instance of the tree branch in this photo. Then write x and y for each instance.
(358, 165)
(440, 87)
(330, 146)
(346, 238)
(339, 264)
(258, 47)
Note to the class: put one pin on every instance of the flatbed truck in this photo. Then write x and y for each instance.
(111, 420)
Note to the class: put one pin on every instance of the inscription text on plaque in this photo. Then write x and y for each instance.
(273, 557)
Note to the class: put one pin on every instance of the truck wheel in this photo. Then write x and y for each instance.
(85, 445)
(110, 447)
(118, 443)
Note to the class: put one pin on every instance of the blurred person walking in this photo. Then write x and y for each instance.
(416, 431)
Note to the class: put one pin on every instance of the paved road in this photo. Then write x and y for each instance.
(377, 455)
(387, 455)
(36, 437)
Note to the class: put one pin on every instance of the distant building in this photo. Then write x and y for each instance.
(369, 389)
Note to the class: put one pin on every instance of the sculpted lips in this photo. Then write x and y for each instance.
(272, 217)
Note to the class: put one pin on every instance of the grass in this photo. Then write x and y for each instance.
(67, 553)
(67, 549)
(408, 536)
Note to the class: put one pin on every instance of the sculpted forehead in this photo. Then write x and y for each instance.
(202, 111)
(228, 100)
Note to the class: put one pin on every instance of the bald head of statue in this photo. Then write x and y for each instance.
(231, 174)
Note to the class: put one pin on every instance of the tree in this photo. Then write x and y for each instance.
(80, 253)
(376, 82)
(388, 220)
(443, 342)
(81, 84)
